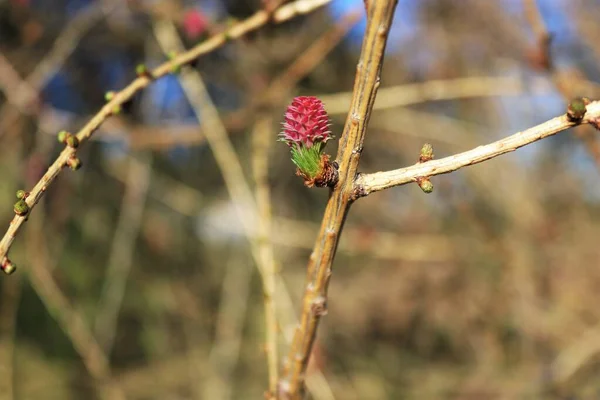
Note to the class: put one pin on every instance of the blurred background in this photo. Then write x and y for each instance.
(136, 271)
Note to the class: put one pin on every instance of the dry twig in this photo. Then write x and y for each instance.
(120, 260)
(259, 19)
(67, 317)
(369, 183)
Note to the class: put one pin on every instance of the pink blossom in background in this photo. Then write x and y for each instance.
(195, 23)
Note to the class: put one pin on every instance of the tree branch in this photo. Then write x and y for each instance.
(368, 183)
(254, 22)
(367, 81)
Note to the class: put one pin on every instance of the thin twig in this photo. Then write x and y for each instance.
(254, 22)
(224, 353)
(71, 322)
(567, 83)
(369, 183)
(434, 90)
(230, 166)
(367, 81)
(309, 58)
(120, 260)
(235, 181)
(262, 139)
(22, 93)
(9, 301)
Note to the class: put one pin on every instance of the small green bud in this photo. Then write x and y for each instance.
(74, 163)
(116, 109)
(21, 208)
(8, 267)
(426, 153)
(141, 70)
(108, 96)
(72, 141)
(62, 136)
(21, 194)
(577, 108)
(230, 23)
(175, 68)
(425, 184)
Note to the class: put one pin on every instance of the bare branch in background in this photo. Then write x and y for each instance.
(259, 19)
(121, 256)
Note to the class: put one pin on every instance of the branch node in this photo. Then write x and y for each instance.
(62, 136)
(21, 208)
(72, 141)
(424, 183)
(329, 173)
(577, 109)
(175, 67)
(74, 163)
(359, 191)
(22, 194)
(319, 306)
(7, 266)
(143, 72)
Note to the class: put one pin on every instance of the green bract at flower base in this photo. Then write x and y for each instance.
(308, 160)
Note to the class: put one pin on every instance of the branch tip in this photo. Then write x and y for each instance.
(577, 109)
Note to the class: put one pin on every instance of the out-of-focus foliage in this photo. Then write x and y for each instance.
(486, 288)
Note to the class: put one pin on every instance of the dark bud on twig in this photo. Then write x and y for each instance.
(426, 153)
(425, 184)
(21, 208)
(74, 163)
(142, 71)
(72, 141)
(328, 175)
(577, 108)
(8, 266)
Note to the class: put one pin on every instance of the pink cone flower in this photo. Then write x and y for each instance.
(306, 122)
(194, 23)
(306, 131)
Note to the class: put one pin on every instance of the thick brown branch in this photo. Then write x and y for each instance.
(380, 15)
(369, 183)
